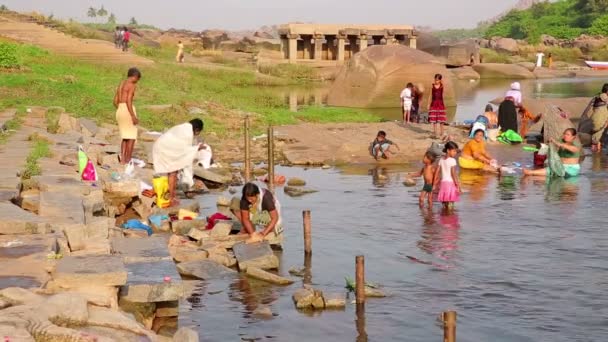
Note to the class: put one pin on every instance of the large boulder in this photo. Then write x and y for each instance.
(375, 77)
(428, 42)
(506, 45)
(589, 43)
(506, 71)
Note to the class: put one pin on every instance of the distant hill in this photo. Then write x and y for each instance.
(563, 19)
(451, 35)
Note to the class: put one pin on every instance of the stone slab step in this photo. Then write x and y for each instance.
(141, 250)
(100, 270)
(151, 282)
(14, 220)
(258, 255)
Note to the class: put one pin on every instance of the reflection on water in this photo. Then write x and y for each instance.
(471, 97)
(518, 259)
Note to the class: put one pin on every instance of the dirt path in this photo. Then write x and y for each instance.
(347, 143)
(60, 43)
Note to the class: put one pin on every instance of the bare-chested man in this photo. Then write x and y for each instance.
(126, 116)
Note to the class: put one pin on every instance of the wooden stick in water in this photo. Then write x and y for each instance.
(360, 279)
(271, 159)
(307, 232)
(247, 151)
(449, 326)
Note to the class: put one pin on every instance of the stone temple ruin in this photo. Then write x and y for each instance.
(301, 42)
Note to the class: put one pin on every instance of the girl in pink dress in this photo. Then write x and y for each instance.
(449, 190)
(437, 113)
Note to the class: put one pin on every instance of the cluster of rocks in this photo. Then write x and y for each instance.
(585, 43)
(62, 233)
(308, 298)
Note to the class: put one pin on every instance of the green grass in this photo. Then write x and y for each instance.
(11, 126)
(41, 149)
(297, 72)
(492, 56)
(87, 90)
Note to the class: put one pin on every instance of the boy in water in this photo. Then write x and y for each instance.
(428, 174)
(381, 146)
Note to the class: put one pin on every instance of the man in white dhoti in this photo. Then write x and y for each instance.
(175, 151)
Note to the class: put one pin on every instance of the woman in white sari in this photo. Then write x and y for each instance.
(175, 151)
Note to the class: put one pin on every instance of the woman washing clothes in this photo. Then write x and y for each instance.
(257, 208)
(474, 155)
(569, 152)
(175, 151)
(507, 111)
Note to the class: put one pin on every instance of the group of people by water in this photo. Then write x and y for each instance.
(175, 151)
(411, 96)
(122, 38)
(560, 158)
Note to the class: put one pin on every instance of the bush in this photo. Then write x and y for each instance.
(146, 51)
(600, 26)
(295, 72)
(491, 56)
(8, 56)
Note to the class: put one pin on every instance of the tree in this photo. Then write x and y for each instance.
(3, 8)
(102, 12)
(599, 6)
(133, 21)
(112, 19)
(92, 12)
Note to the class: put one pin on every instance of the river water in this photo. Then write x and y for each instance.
(520, 259)
(471, 97)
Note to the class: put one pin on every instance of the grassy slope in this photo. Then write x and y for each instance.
(87, 89)
(562, 19)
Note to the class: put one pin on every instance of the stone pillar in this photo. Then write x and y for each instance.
(307, 47)
(362, 42)
(341, 52)
(318, 46)
(389, 40)
(293, 101)
(285, 47)
(330, 47)
(292, 47)
(413, 41)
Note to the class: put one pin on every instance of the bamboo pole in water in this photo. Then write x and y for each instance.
(360, 279)
(449, 326)
(271, 159)
(247, 151)
(307, 232)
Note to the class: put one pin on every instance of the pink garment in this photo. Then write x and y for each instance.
(448, 192)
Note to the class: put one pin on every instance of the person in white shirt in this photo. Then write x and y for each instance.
(406, 102)
(539, 59)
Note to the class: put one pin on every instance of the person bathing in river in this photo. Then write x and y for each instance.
(569, 152)
(525, 118)
(474, 155)
(258, 208)
(174, 151)
(445, 174)
(507, 111)
(126, 116)
(428, 174)
(492, 127)
(406, 102)
(381, 146)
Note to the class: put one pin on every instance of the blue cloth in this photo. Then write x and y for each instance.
(157, 220)
(136, 224)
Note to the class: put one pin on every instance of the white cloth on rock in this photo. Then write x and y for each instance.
(174, 151)
(204, 157)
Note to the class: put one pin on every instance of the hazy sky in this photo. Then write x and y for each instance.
(251, 14)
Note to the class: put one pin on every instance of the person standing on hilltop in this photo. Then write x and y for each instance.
(126, 38)
(126, 116)
(180, 52)
(437, 112)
